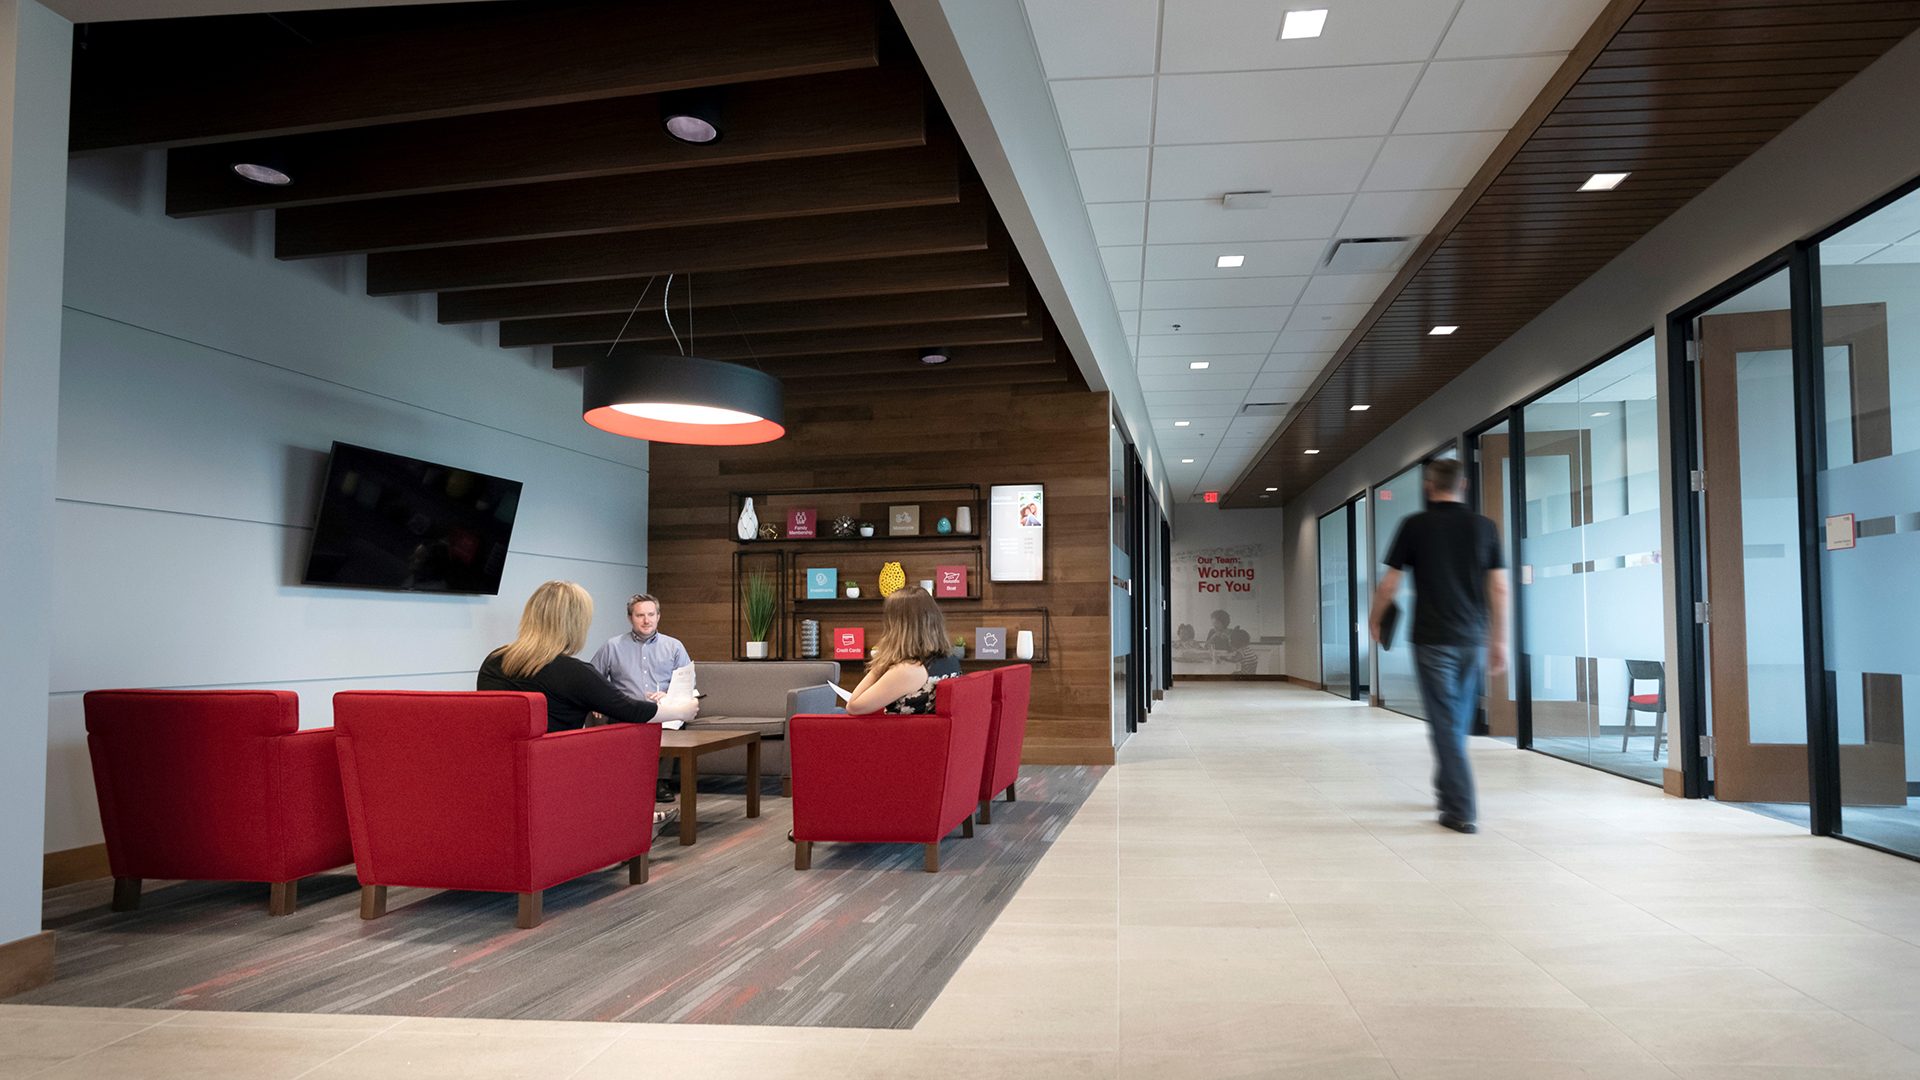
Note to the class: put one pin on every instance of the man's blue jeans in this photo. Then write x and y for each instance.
(1450, 688)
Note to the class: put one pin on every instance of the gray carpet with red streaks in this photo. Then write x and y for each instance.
(726, 932)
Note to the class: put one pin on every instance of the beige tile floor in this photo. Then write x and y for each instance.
(1258, 891)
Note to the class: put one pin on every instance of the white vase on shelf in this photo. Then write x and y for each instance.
(1023, 645)
(749, 526)
(963, 520)
(756, 650)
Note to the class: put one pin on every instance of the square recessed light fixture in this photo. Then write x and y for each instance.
(1273, 489)
(1228, 262)
(1603, 414)
(1303, 24)
(1199, 365)
(1604, 181)
(1310, 451)
(1441, 331)
(1186, 461)
(1358, 408)
(1182, 423)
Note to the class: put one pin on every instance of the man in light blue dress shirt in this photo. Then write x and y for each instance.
(640, 663)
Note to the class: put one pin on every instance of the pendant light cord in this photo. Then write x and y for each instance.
(636, 307)
(667, 313)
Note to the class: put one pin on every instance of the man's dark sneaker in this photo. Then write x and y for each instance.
(1459, 826)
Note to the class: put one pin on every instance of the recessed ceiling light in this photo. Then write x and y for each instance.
(1441, 331)
(1273, 489)
(1303, 24)
(1266, 496)
(1182, 423)
(1312, 451)
(1186, 461)
(1603, 414)
(1199, 365)
(262, 174)
(934, 356)
(1358, 408)
(692, 116)
(1228, 262)
(1604, 181)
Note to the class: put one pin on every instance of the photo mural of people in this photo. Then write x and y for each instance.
(1234, 593)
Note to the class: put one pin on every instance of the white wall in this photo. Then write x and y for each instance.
(1844, 154)
(202, 383)
(1253, 537)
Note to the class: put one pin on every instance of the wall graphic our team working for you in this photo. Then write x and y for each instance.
(1228, 618)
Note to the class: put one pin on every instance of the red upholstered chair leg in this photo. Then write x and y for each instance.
(637, 869)
(933, 858)
(373, 901)
(1010, 791)
(126, 894)
(802, 854)
(283, 897)
(529, 916)
(986, 811)
(966, 827)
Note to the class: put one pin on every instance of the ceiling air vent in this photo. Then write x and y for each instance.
(1368, 254)
(1264, 408)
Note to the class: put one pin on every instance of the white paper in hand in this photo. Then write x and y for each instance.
(679, 705)
(842, 694)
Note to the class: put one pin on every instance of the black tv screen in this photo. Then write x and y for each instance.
(393, 522)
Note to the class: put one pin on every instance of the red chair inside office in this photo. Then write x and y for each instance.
(214, 785)
(886, 778)
(1012, 687)
(466, 790)
(1653, 671)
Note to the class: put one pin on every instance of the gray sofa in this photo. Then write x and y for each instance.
(760, 695)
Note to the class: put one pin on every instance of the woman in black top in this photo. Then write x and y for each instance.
(552, 628)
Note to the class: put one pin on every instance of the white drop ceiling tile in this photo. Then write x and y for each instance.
(1117, 175)
(1310, 362)
(1129, 32)
(1396, 213)
(1345, 288)
(1201, 345)
(1212, 320)
(1446, 160)
(1475, 95)
(1308, 341)
(1123, 263)
(1284, 382)
(1130, 322)
(1251, 363)
(1327, 316)
(1297, 167)
(1251, 427)
(1133, 346)
(1224, 292)
(1515, 27)
(1105, 112)
(1292, 217)
(1158, 405)
(1118, 223)
(1234, 35)
(1259, 106)
(1273, 258)
(1894, 253)
(1238, 382)
(1126, 295)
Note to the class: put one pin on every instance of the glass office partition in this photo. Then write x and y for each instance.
(1589, 579)
(1493, 489)
(1336, 602)
(1869, 504)
(1394, 502)
(1362, 596)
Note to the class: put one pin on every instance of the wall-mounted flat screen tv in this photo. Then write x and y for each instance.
(393, 522)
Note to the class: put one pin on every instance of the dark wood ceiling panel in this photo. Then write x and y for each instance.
(485, 58)
(989, 269)
(1675, 92)
(776, 120)
(889, 234)
(723, 346)
(887, 180)
(648, 323)
(906, 362)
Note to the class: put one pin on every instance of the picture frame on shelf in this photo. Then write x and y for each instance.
(823, 582)
(903, 520)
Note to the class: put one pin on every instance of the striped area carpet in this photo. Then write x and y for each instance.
(726, 932)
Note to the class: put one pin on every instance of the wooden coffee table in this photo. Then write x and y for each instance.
(685, 746)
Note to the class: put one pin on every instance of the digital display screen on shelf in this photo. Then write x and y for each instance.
(1017, 515)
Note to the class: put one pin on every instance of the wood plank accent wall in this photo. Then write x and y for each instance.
(986, 436)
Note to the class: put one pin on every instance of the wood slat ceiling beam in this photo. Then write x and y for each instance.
(906, 362)
(1674, 91)
(988, 269)
(648, 323)
(482, 59)
(723, 346)
(776, 120)
(886, 180)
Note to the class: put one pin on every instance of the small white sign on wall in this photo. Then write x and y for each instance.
(1840, 532)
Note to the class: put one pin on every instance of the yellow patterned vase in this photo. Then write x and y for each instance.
(892, 579)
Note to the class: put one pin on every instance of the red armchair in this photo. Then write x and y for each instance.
(1012, 686)
(885, 778)
(466, 790)
(214, 785)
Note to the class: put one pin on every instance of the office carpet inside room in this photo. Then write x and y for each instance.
(726, 932)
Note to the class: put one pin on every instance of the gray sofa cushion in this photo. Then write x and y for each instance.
(756, 688)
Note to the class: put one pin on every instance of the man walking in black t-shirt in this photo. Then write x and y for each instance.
(1460, 603)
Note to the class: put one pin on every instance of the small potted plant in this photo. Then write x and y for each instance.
(759, 602)
(853, 590)
(959, 648)
(866, 528)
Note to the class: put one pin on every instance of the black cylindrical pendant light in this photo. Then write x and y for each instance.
(683, 399)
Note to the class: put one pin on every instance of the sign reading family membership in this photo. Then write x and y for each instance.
(1019, 525)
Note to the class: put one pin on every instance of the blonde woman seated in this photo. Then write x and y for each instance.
(553, 627)
(913, 639)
